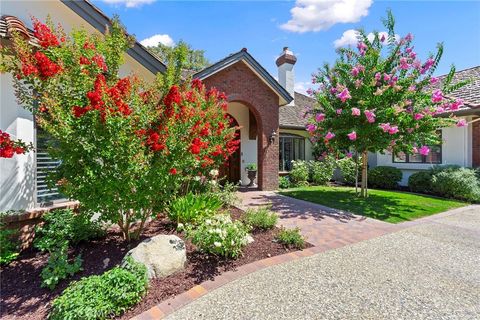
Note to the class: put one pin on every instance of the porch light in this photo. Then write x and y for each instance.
(272, 136)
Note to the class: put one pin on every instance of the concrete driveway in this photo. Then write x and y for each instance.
(430, 270)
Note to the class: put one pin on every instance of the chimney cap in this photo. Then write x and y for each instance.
(286, 57)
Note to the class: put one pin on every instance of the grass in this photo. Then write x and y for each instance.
(389, 206)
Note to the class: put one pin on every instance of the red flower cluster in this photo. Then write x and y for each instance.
(44, 34)
(155, 140)
(173, 97)
(197, 145)
(9, 147)
(46, 67)
(100, 62)
(116, 94)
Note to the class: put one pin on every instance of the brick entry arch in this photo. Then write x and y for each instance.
(243, 85)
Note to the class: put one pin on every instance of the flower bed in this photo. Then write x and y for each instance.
(22, 296)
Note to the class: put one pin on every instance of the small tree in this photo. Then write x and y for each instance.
(126, 147)
(377, 101)
(194, 60)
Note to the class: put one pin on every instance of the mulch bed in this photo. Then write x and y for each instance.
(23, 298)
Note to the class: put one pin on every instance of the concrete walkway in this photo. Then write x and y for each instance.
(322, 226)
(429, 270)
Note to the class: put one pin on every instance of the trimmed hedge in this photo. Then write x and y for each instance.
(384, 177)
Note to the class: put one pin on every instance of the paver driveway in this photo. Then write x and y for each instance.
(430, 270)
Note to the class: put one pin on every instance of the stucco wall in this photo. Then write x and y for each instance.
(248, 148)
(456, 149)
(17, 175)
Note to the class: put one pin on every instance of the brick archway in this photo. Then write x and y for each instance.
(242, 85)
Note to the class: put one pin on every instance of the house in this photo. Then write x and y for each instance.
(256, 101)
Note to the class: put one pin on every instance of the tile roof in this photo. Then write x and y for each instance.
(292, 116)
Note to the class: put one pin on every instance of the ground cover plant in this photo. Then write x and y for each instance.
(291, 238)
(381, 98)
(261, 218)
(389, 206)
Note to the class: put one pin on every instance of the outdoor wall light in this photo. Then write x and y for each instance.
(272, 136)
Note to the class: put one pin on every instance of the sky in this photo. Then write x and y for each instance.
(312, 29)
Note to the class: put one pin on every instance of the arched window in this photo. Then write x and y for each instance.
(291, 147)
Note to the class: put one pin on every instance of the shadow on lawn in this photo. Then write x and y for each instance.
(375, 206)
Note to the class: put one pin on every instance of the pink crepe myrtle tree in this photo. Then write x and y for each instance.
(380, 97)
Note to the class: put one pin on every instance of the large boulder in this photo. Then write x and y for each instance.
(162, 255)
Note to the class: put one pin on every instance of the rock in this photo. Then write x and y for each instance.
(249, 239)
(162, 255)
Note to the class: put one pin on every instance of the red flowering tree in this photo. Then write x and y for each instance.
(126, 147)
(9, 147)
(379, 98)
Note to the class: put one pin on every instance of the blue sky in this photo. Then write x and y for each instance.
(310, 29)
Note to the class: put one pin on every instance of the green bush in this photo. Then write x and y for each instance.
(219, 235)
(300, 173)
(61, 229)
(384, 177)
(102, 296)
(226, 193)
(261, 218)
(291, 238)
(192, 208)
(9, 249)
(460, 183)
(284, 182)
(322, 171)
(421, 182)
(347, 169)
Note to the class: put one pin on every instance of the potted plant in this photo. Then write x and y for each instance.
(251, 169)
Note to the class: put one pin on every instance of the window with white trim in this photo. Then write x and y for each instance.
(291, 147)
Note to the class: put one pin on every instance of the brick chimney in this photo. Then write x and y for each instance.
(286, 74)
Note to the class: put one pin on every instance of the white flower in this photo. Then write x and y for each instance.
(197, 178)
(208, 221)
(214, 172)
(217, 244)
(180, 226)
(233, 242)
(212, 182)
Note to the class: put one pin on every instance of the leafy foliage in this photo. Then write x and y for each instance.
(219, 235)
(421, 182)
(385, 177)
(460, 183)
(102, 296)
(126, 146)
(348, 170)
(300, 173)
(9, 249)
(380, 98)
(58, 267)
(195, 59)
(322, 171)
(261, 218)
(284, 182)
(291, 238)
(193, 208)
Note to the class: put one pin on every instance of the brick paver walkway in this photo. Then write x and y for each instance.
(324, 227)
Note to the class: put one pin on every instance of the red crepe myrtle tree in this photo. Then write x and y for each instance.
(126, 147)
(376, 101)
(9, 147)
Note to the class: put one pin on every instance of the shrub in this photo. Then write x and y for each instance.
(192, 208)
(299, 173)
(284, 182)
(62, 228)
(291, 238)
(322, 171)
(347, 169)
(460, 183)
(421, 182)
(219, 235)
(9, 249)
(227, 194)
(102, 296)
(261, 218)
(384, 177)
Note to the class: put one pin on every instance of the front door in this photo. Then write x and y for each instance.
(230, 170)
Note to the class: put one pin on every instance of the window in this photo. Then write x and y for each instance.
(434, 156)
(45, 165)
(291, 147)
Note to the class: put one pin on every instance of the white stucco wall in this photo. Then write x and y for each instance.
(248, 148)
(17, 175)
(456, 149)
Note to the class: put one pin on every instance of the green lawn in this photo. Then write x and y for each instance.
(389, 206)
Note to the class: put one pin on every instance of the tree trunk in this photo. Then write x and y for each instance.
(364, 190)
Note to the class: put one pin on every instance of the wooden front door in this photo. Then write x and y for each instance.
(230, 170)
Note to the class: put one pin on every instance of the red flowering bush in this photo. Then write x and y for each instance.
(126, 147)
(9, 147)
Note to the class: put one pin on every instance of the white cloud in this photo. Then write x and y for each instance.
(302, 87)
(154, 40)
(317, 15)
(349, 38)
(129, 3)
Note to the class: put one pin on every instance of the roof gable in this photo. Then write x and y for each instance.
(245, 57)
